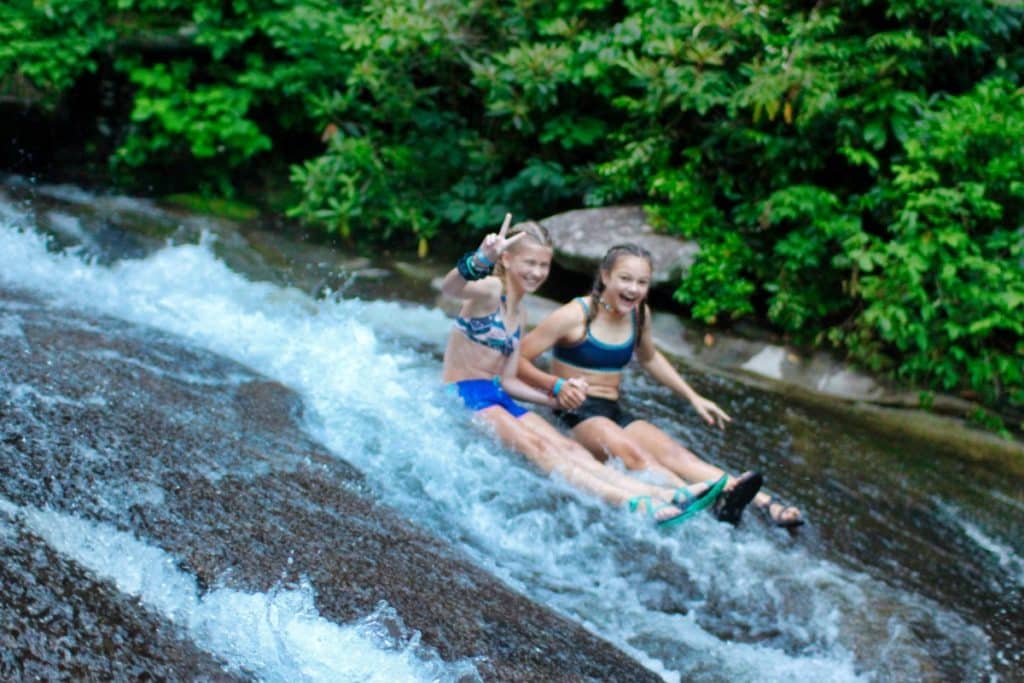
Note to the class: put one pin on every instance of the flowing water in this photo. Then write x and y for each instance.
(912, 567)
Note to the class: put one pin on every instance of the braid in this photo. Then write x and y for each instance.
(595, 299)
(641, 317)
(611, 257)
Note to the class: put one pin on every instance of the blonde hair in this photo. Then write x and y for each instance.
(534, 231)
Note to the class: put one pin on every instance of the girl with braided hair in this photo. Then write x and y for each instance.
(481, 360)
(592, 340)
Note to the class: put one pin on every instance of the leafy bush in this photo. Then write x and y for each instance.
(852, 170)
(45, 48)
(943, 290)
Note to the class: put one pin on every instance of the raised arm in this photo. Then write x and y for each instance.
(461, 281)
(658, 367)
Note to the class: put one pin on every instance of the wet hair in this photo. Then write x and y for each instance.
(534, 231)
(612, 257)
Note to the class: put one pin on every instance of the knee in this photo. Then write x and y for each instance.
(535, 444)
(547, 454)
(633, 457)
(569, 450)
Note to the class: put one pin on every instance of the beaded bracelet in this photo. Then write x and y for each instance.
(467, 270)
(482, 258)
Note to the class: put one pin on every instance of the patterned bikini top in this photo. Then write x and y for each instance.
(490, 331)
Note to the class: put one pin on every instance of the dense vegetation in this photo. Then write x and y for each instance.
(853, 170)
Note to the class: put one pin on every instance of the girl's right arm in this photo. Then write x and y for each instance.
(457, 287)
(461, 282)
(557, 326)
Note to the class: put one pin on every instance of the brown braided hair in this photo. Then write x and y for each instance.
(535, 231)
(612, 257)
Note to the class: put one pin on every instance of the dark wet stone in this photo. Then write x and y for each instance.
(205, 459)
(59, 623)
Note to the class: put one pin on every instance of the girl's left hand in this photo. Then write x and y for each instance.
(710, 412)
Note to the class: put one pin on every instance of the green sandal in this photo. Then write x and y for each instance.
(652, 511)
(692, 504)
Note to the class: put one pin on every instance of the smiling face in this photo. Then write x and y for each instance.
(526, 265)
(626, 283)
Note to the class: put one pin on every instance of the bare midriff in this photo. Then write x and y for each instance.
(475, 361)
(599, 384)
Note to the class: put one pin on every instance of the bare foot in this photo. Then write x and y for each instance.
(780, 514)
(660, 511)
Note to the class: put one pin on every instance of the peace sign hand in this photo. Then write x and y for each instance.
(495, 244)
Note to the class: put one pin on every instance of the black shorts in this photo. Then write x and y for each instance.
(595, 407)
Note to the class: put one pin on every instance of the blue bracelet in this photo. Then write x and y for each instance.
(483, 259)
(558, 387)
(467, 270)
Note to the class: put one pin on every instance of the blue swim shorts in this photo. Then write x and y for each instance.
(479, 394)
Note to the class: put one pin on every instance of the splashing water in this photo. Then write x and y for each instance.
(277, 636)
(702, 603)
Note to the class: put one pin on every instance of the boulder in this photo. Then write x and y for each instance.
(582, 237)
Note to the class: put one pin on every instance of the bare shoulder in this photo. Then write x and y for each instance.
(565, 322)
(566, 314)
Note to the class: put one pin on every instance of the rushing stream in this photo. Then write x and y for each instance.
(912, 566)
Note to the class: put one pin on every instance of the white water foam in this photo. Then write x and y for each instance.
(1010, 561)
(377, 403)
(275, 636)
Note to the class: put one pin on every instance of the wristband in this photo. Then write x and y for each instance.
(482, 258)
(557, 387)
(467, 270)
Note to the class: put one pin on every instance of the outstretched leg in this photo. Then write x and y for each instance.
(583, 459)
(571, 453)
(671, 454)
(603, 438)
(543, 445)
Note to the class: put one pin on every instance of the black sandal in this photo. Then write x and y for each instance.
(730, 505)
(777, 520)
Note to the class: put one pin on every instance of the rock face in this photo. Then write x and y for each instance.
(195, 454)
(583, 236)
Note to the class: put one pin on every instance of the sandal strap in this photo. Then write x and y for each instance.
(637, 501)
(688, 497)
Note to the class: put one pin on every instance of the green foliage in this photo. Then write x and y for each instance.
(352, 185)
(45, 47)
(716, 282)
(174, 119)
(855, 186)
(946, 289)
(852, 170)
(222, 208)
